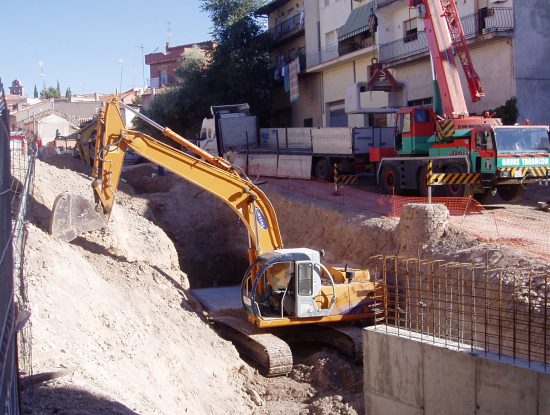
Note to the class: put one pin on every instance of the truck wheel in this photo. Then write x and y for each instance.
(323, 170)
(456, 190)
(485, 197)
(511, 192)
(388, 180)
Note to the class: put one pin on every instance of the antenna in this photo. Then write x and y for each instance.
(169, 33)
(41, 64)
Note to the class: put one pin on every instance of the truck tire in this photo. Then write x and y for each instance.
(485, 197)
(456, 190)
(323, 170)
(388, 180)
(511, 192)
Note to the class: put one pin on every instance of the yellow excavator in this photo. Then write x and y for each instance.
(282, 290)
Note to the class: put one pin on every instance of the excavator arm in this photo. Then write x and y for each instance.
(282, 287)
(213, 174)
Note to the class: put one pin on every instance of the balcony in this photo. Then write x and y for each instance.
(336, 50)
(495, 20)
(289, 28)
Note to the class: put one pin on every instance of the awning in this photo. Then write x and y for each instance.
(358, 22)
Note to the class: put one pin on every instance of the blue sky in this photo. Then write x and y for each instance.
(80, 42)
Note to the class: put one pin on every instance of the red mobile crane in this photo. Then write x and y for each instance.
(504, 158)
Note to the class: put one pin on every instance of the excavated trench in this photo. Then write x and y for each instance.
(212, 242)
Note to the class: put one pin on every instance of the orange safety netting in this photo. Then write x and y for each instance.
(458, 206)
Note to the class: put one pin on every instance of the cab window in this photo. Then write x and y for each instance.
(305, 279)
(484, 140)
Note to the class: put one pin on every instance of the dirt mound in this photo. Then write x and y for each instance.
(112, 308)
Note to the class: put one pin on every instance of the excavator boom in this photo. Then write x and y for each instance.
(214, 174)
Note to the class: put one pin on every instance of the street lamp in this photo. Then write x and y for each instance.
(121, 63)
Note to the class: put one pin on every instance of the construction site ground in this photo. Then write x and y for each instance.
(112, 311)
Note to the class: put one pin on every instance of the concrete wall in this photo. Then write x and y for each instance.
(406, 376)
(532, 58)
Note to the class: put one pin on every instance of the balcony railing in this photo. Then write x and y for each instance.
(335, 50)
(287, 28)
(498, 19)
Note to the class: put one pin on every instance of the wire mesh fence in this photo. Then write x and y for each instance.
(17, 158)
(8, 353)
(469, 306)
(23, 155)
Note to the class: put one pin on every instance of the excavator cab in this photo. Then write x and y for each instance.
(286, 287)
(288, 284)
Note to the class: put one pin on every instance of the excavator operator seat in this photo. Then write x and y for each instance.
(279, 275)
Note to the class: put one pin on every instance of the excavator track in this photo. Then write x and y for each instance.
(346, 339)
(269, 352)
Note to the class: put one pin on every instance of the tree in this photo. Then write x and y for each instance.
(235, 72)
(240, 61)
(35, 92)
(508, 112)
(58, 90)
(48, 93)
(68, 92)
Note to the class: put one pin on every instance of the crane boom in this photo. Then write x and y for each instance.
(445, 37)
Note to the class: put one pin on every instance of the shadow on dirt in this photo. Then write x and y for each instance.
(62, 400)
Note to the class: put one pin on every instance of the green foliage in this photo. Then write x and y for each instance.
(68, 92)
(137, 100)
(235, 72)
(50, 92)
(508, 112)
(227, 13)
(58, 90)
(35, 92)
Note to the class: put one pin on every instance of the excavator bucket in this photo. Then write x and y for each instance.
(73, 215)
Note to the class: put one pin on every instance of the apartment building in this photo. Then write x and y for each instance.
(506, 38)
(286, 20)
(163, 65)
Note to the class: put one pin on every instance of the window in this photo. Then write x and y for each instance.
(305, 279)
(421, 115)
(484, 140)
(410, 29)
(378, 120)
(419, 102)
(163, 77)
(308, 122)
(404, 123)
(338, 118)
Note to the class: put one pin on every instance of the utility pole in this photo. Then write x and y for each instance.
(134, 69)
(142, 67)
